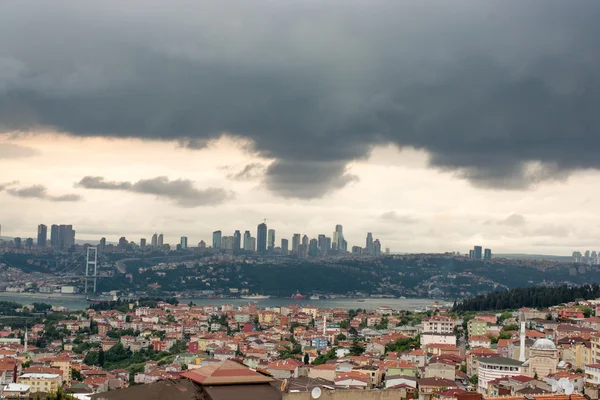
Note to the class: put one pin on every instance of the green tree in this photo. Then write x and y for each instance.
(91, 358)
(341, 336)
(383, 324)
(101, 357)
(76, 374)
(474, 380)
(356, 349)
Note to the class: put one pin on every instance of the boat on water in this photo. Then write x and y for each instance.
(402, 297)
(255, 296)
(315, 297)
(361, 300)
(298, 296)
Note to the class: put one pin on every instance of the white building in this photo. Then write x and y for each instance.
(439, 324)
(15, 391)
(428, 338)
(494, 368)
(592, 371)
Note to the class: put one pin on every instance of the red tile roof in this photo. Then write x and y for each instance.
(226, 372)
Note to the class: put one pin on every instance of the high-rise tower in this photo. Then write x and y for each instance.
(261, 238)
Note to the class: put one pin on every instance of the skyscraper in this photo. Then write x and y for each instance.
(369, 245)
(271, 239)
(313, 248)
(227, 243)
(142, 243)
(304, 245)
(295, 242)
(321, 243)
(183, 242)
(42, 235)
(237, 241)
(344, 246)
(17, 243)
(29, 243)
(250, 244)
(202, 245)
(154, 241)
(54, 239)
(487, 254)
(216, 243)
(284, 247)
(377, 248)
(247, 237)
(477, 252)
(338, 238)
(66, 236)
(261, 238)
(122, 243)
(102, 244)
(161, 240)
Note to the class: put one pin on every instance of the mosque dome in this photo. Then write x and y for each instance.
(543, 344)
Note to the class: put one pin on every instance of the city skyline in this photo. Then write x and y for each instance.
(63, 236)
(305, 123)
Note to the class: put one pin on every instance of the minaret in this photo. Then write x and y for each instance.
(522, 347)
(324, 325)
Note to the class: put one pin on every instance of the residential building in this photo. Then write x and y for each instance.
(41, 382)
(184, 242)
(494, 368)
(42, 235)
(477, 327)
(439, 324)
(284, 247)
(270, 239)
(237, 241)
(477, 253)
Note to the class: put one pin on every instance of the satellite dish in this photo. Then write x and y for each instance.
(554, 387)
(284, 385)
(315, 393)
(569, 388)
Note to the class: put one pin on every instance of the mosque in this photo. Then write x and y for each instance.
(543, 356)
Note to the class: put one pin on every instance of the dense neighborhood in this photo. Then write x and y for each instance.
(117, 347)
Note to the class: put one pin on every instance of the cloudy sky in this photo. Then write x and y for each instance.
(436, 125)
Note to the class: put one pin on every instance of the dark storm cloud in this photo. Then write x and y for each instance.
(505, 93)
(181, 191)
(40, 192)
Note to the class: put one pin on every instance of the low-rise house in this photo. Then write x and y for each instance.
(323, 371)
(15, 391)
(400, 367)
(440, 369)
(288, 368)
(480, 341)
(354, 380)
(429, 386)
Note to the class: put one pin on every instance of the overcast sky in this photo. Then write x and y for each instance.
(435, 125)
